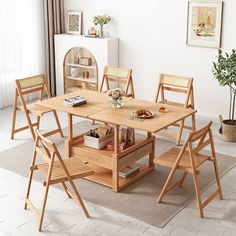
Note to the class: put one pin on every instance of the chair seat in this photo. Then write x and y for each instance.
(168, 159)
(36, 109)
(76, 168)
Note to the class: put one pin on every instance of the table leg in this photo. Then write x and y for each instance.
(70, 136)
(115, 171)
(152, 154)
(180, 131)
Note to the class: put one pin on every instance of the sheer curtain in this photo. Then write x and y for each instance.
(22, 51)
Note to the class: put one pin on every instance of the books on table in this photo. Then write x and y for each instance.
(75, 101)
(129, 170)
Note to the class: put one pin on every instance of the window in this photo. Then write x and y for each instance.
(21, 44)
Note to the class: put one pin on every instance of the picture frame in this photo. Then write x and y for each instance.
(74, 22)
(204, 23)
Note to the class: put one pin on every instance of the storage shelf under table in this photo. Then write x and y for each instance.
(102, 161)
(104, 176)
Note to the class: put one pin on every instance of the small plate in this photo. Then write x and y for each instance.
(144, 116)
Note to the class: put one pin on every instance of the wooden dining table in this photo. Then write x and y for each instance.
(106, 163)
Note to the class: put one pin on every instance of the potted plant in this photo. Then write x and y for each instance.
(224, 70)
(101, 20)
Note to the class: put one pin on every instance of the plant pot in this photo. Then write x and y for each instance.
(228, 130)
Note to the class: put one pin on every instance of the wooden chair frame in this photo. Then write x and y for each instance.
(120, 76)
(28, 86)
(199, 136)
(177, 84)
(48, 152)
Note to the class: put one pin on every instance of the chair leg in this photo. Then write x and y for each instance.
(66, 190)
(58, 123)
(28, 188)
(218, 179)
(30, 125)
(163, 191)
(182, 179)
(13, 123)
(193, 122)
(44, 206)
(14, 117)
(38, 121)
(181, 126)
(215, 165)
(198, 194)
(78, 198)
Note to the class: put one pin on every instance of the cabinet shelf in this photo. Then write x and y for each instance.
(89, 80)
(70, 64)
(68, 48)
(81, 66)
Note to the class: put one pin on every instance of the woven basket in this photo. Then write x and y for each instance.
(228, 131)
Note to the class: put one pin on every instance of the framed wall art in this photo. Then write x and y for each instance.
(74, 22)
(204, 23)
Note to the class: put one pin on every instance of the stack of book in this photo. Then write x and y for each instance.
(129, 170)
(75, 101)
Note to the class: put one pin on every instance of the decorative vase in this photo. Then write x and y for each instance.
(117, 103)
(101, 31)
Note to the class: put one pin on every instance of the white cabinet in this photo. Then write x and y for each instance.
(103, 50)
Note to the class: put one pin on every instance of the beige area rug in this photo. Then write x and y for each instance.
(139, 199)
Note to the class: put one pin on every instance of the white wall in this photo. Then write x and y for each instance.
(152, 40)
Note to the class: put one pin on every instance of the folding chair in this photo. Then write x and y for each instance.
(27, 86)
(119, 76)
(188, 159)
(177, 84)
(55, 171)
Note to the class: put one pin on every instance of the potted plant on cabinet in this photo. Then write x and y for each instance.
(224, 71)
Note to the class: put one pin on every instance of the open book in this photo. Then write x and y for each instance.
(75, 101)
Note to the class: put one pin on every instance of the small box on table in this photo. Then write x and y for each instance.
(98, 142)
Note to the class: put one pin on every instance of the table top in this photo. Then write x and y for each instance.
(122, 116)
(96, 102)
(99, 108)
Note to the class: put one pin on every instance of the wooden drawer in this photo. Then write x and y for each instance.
(135, 155)
(92, 157)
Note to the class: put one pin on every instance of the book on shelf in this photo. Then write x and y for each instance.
(129, 170)
(75, 101)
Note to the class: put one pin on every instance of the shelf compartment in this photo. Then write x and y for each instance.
(81, 66)
(102, 161)
(77, 88)
(104, 157)
(81, 79)
(103, 176)
(72, 89)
